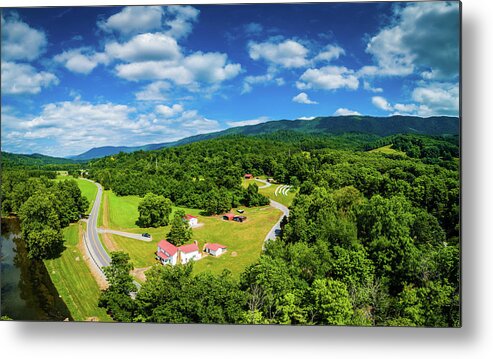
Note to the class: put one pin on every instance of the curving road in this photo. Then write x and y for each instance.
(266, 183)
(96, 250)
(91, 239)
(276, 229)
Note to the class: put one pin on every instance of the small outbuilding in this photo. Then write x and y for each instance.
(248, 176)
(192, 220)
(228, 216)
(215, 249)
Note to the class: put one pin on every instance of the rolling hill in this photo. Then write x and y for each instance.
(35, 159)
(380, 126)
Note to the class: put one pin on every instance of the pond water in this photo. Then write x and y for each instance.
(27, 292)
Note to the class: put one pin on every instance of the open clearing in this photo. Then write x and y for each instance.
(244, 240)
(388, 150)
(284, 196)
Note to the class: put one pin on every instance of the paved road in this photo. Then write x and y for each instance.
(266, 184)
(93, 244)
(276, 229)
(139, 237)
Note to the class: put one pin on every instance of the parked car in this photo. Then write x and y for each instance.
(147, 235)
(240, 210)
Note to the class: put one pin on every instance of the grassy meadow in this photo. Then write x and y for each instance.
(388, 150)
(270, 191)
(73, 279)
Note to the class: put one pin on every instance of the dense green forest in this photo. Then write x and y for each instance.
(43, 206)
(372, 238)
(37, 161)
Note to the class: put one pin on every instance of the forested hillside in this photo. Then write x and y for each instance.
(10, 160)
(334, 125)
(372, 238)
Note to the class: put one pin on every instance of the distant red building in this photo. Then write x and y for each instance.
(248, 176)
(228, 216)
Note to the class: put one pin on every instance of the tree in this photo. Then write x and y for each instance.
(116, 298)
(180, 231)
(41, 227)
(331, 302)
(218, 201)
(154, 211)
(252, 198)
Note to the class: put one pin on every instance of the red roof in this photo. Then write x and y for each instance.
(214, 246)
(229, 215)
(162, 255)
(189, 216)
(188, 248)
(167, 247)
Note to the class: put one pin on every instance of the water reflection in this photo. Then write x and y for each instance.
(27, 292)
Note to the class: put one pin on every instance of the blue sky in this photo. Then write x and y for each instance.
(74, 78)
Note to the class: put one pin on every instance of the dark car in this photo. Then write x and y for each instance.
(147, 235)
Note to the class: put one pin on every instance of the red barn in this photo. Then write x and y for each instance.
(248, 176)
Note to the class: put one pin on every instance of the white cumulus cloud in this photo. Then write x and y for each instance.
(331, 52)
(345, 112)
(134, 19)
(145, 47)
(422, 35)
(302, 97)
(24, 79)
(254, 121)
(328, 78)
(20, 41)
(289, 53)
(82, 60)
(381, 103)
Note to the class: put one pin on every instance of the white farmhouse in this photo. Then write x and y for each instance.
(189, 252)
(167, 253)
(215, 249)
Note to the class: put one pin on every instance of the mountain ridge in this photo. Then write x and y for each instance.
(335, 125)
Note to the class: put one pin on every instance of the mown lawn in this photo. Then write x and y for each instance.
(244, 240)
(270, 191)
(74, 281)
(89, 190)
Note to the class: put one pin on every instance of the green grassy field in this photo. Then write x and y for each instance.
(244, 240)
(74, 281)
(270, 191)
(388, 150)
